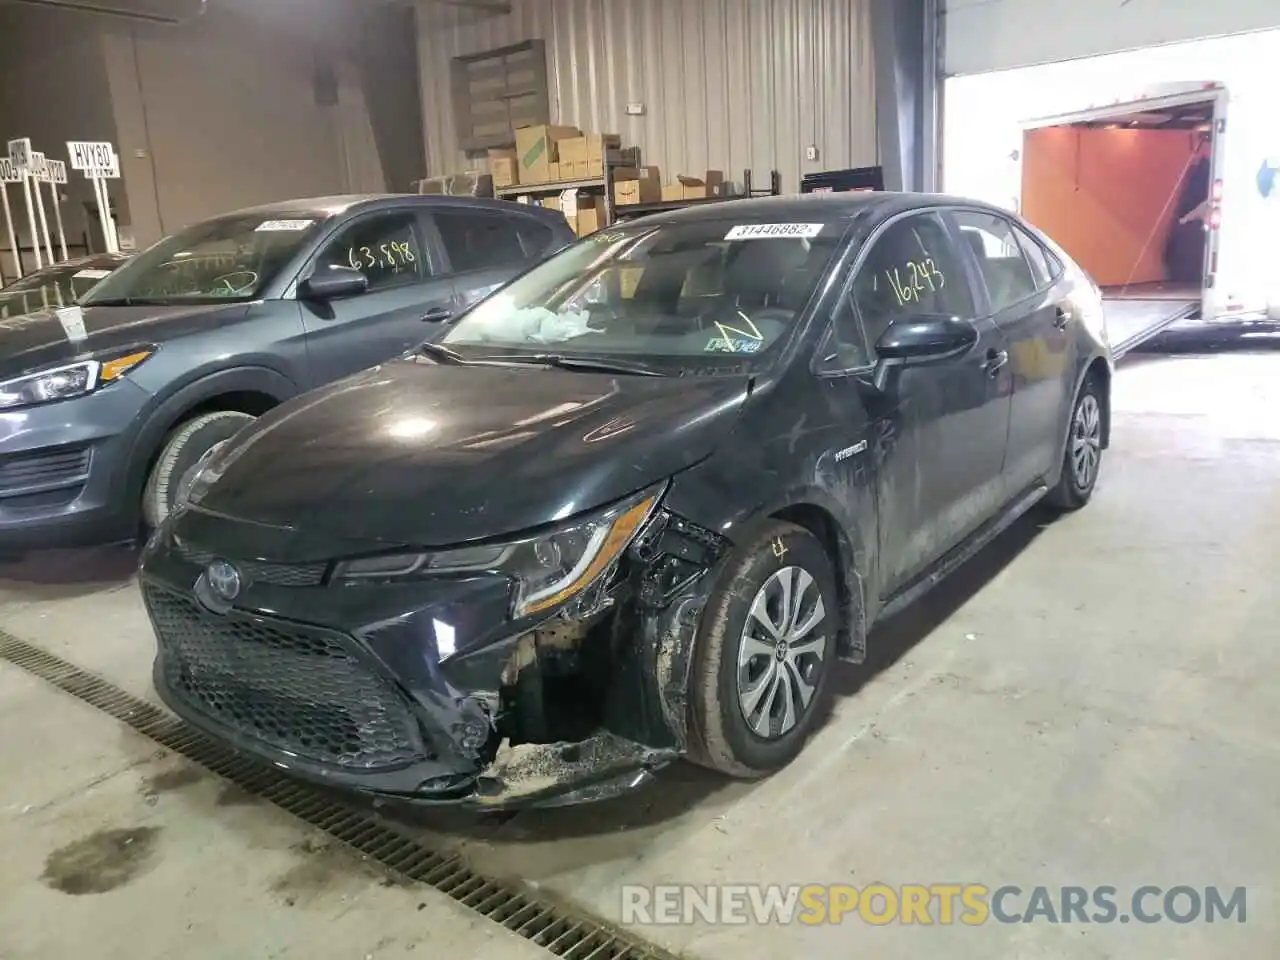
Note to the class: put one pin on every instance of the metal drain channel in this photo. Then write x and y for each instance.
(563, 930)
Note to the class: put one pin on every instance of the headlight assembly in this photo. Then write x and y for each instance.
(548, 569)
(71, 380)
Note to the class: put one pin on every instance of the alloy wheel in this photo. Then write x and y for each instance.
(782, 652)
(1086, 441)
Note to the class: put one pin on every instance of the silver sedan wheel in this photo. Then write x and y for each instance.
(782, 652)
(1086, 442)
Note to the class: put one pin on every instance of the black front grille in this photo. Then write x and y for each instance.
(28, 473)
(256, 571)
(292, 687)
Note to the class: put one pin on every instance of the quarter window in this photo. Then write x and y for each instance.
(999, 253)
(911, 270)
(386, 248)
(477, 241)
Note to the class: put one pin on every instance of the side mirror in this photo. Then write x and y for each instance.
(918, 340)
(330, 283)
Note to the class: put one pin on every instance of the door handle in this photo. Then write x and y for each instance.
(1061, 318)
(437, 315)
(995, 359)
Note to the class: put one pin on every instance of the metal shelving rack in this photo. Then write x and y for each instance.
(613, 159)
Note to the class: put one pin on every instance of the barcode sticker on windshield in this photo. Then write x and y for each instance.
(768, 231)
(284, 225)
(91, 274)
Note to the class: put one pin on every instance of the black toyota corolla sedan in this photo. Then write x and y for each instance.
(632, 506)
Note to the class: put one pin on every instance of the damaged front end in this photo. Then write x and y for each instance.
(593, 701)
(421, 686)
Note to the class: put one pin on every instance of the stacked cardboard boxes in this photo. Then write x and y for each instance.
(537, 152)
(711, 184)
(636, 185)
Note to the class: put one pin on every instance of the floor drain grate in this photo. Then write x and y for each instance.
(562, 930)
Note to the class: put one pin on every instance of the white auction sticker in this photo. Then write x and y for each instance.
(768, 231)
(72, 320)
(284, 225)
(91, 274)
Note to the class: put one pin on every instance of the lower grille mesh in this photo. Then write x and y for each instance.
(291, 687)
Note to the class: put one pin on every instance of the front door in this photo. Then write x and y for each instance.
(1035, 322)
(406, 293)
(939, 436)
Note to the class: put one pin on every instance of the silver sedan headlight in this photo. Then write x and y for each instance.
(71, 380)
(548, 568)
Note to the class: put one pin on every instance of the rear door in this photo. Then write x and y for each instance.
(1034, 317)
(485, 248)
(397, 252)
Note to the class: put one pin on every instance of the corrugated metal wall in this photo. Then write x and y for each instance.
(726, 84)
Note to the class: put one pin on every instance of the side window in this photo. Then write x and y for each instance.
(1036, 257)
(387, 248)
(911, 269)
(478, 241)
(999, 254)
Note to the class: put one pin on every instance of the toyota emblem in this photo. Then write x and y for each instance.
(223, 579)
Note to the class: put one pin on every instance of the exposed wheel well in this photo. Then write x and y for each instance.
(824, 527)
(1100, 374)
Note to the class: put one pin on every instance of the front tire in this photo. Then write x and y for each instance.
(175, 468)
(1082, 458)
(764, 652)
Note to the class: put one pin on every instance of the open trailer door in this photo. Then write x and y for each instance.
(1131, 189)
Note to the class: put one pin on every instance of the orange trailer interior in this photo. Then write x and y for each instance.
(1107, 191)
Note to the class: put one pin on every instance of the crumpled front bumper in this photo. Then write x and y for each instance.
(479, 729)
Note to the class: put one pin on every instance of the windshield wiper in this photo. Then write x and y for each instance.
(602, 364)
(441, 354)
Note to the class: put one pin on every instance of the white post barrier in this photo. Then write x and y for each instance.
(97, 160)
(8, 175)
(20, 155)
(58, 177)
(38, 174)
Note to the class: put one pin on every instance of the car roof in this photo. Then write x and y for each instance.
(844, 205)
(324, 207)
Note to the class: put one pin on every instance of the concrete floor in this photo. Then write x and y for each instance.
(1089, 703)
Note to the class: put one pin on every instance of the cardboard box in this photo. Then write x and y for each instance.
(504, 168)
(536, 150)
(555, 172)
(582, 169)
(470, 184)
(631, 185)
(591, 146)
(591, 216)
(695, 188)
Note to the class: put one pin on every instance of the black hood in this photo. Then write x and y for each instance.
(411, 453)
(35, 340)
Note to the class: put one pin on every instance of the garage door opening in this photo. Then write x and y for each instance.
(1130, 195)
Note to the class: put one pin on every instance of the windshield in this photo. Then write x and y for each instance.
(52, 287)
(723, 287)
(227, 259)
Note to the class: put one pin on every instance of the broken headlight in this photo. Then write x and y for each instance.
(548, 569)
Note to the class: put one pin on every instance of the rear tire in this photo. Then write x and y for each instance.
(175, 468)
(1082, 459)
(753, 705)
